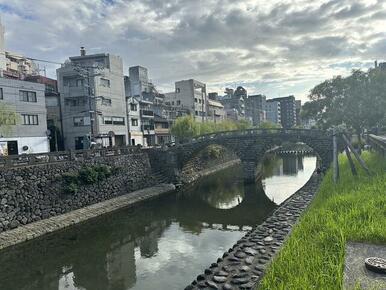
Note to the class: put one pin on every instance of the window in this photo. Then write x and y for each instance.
(133, 107)
(75, 101)
(118, 121)
(178, 102)
(134, 122)
(79, 82)
(1, 94)
(172, 103)
(107, 120)
(199, 101)
(106, 102)
(81, 121)
(195, 100)
(196, 112)
(178, 90)
(27, 96)
(30, 119)
(105, 82)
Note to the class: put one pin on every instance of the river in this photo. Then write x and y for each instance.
(161, 244)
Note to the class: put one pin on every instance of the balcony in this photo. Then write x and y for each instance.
(147, 114)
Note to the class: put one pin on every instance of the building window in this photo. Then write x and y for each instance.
(107, 120)
(178, 102)
(1, 94)
(133, 107)
(196, 112)
(178, 90)
(118, 121)
(106, 102)
(172, 103)
(195, 100)
(75, 101)
(81, 121)
(105, 82)
(79, 82)
(134, 122)
(30, 119)
(27, 96)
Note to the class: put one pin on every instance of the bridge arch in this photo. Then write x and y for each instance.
(250, 146)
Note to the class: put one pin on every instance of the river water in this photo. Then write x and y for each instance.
(163, 243)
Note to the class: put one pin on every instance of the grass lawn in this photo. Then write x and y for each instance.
(353, 210)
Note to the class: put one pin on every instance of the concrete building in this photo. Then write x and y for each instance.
(134, 122)
(216, 112)
(138, 81)
(29, 133)
(298, 104)
(189, 95)
(255, 109)
(147, 122)
(92, 97)
(272, 109)
(287, 111)
(234, 103)
(2, 50)
(162, 130)
(54, 112)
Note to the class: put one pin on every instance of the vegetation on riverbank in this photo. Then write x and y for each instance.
(353, 210)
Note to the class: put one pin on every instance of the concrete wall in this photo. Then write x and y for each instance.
(32, 193)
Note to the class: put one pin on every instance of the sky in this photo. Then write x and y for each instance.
(276, 47)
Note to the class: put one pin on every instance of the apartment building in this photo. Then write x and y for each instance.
(189, 95)
(134, 122)
(29, 133)
(93, 102)
(287, 111)
(272, 109)
(255, 109)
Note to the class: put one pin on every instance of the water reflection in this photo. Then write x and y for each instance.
(161, 244)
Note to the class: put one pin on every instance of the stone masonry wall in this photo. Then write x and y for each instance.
(32, 193)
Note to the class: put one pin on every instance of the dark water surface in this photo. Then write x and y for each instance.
(161, 244)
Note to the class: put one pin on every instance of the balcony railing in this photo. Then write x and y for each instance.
(147, 113)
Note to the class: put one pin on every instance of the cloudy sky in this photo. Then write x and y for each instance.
(276, 47)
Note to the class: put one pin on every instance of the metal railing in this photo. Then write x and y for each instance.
(64, 156)
(377, 143)
(256, 132)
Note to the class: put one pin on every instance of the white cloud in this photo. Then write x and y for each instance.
(272, 47)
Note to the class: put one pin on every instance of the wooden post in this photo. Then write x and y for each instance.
(352, 165)
(360, 160)
(335, 157)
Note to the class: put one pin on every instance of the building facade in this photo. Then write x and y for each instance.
(287, 111)
(93, 102)
(138, 81)
(134, 122)
(216, 112)
(189, 95)
(272, 109)
(255, 109)
(234, 103)
(29, 133)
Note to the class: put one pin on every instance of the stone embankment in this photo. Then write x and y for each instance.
(46, 226)
(32, 193)
(242, 267)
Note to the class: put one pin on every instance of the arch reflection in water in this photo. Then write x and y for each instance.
(161, 244)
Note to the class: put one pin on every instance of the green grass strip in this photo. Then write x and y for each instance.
(352, 210)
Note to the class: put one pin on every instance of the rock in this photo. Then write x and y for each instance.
(221, 273)
(227, 286)
(212, 284)
(249, 260)
(239, 281)
(268, 240)
(219, 279)
(3, 201)
(14, 224)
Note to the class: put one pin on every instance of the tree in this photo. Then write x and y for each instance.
(269, 125)
(357, 101)
(8, 118)
(185, 128)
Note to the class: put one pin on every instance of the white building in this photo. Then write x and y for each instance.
(2, 50)
(134, 122)
(190, 95)
(29, 133)
(273, 113)
(138, 81)
(93, 101)
(216, 112)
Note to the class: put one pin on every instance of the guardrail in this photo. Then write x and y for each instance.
(63, 156)
(252, 132)
(378, 143)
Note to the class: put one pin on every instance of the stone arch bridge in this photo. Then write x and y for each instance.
(249, 145)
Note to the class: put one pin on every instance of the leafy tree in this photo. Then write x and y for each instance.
(269, 125)
(8, 118)
(357, 101)
(185, 128)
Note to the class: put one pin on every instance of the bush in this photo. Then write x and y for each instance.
(214, 152)
(71, 188)
(70, 178)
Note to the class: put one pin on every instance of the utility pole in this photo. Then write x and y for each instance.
(335, 156)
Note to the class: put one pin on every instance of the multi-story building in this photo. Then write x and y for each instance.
(287, 111)
(162, 130)
(272, 109)
(93, 102)
(147, 122)
(54, 112)
(2, 50)
(298, 104)
(234, 103)
(134, 121)
(138, 81)
(255, 109)
(29, 133)
(189, 95)
(216, 112)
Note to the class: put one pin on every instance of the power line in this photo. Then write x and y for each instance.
(30, 58)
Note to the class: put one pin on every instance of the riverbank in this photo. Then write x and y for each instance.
(50, 225)
(352, 210)
(243, 265)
